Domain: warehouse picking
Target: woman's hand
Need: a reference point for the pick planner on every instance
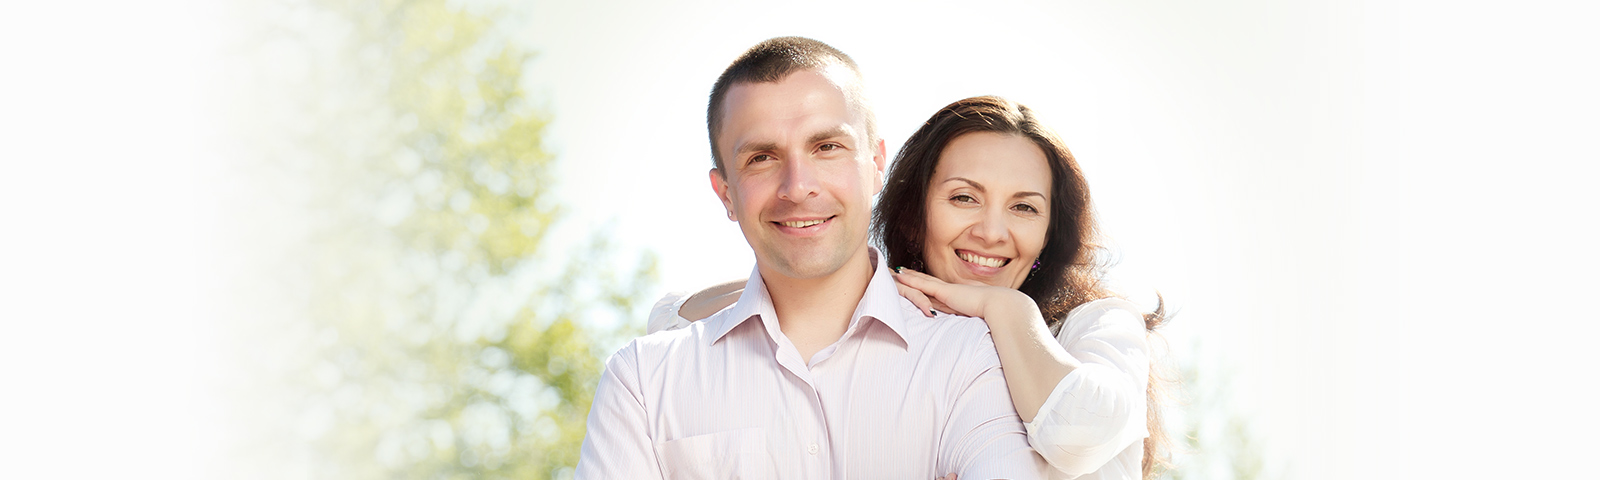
(929, 293)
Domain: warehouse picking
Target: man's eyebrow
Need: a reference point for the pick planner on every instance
(755, 147)
(838, 131)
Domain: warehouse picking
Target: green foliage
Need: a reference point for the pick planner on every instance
(434, 335)
(1216, 439)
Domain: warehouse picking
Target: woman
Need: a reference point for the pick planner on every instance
(993, 205)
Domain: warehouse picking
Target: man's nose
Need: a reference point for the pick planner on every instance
(799, 179)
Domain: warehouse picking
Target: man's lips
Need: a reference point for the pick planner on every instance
(804, 225)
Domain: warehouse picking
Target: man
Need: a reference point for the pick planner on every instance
(821, 369)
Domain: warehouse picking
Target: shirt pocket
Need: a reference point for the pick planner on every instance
(738, 453)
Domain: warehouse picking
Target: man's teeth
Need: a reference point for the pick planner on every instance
(981, 260)
(801, 224)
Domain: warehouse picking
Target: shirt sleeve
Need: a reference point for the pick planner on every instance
(664, 315)
(1098, 410)
(617, 444)
(984, 437)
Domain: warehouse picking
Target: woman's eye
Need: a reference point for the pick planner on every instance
(1026, 208)
(963, 198)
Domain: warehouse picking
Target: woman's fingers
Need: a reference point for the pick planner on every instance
(920, 281)
(917, 275)
(916, 297)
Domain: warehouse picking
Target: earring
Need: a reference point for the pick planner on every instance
(730, 216)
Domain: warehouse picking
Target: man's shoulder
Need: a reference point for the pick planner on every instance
(952, 334)
(942, 326)
(675, 343)
(665, 341)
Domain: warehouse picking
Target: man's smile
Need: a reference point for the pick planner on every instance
(805, 225)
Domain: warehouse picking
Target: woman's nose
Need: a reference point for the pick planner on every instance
(991, 227)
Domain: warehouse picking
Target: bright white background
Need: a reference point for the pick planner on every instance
(1378, 216)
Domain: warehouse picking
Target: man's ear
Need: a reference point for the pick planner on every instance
(880, 160)
(719, 185)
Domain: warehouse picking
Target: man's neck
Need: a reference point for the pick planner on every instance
(814, 312)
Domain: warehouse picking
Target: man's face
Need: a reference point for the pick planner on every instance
(798, 172)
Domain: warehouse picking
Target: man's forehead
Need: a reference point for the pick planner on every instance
(790, 88)
(801, 96)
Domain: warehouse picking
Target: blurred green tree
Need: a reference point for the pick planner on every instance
(436, 332)
(1212, 438)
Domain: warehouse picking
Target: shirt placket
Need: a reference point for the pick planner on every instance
(810, 425)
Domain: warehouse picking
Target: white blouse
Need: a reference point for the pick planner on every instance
(1093, 424)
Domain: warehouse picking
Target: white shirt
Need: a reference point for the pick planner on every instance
(1092, 425)
(730, 397)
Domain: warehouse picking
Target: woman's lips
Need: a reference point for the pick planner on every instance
(982, 260)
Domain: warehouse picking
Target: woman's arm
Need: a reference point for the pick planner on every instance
(1032, 359)
(712, 300)
(1099, 410)
(1082, 393)
(677, 310)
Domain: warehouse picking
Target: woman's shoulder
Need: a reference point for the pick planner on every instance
(1109, 312)
(1104, 306)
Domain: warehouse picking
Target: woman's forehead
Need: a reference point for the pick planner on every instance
(994, 161)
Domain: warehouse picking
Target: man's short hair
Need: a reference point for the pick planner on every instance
(772, 60)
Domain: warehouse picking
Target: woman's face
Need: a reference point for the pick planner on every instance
(988, 210)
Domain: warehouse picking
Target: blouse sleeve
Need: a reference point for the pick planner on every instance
(664, 315)
(1098, 410)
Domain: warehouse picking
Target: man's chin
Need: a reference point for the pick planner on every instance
(804, 266)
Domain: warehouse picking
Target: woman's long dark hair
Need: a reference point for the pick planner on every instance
(1069, 265)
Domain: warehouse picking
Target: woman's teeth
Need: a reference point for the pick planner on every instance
(982, 260)
(801, 224)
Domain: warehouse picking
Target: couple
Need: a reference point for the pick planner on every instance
(828, 365)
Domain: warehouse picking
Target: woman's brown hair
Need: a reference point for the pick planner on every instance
(1069, 268)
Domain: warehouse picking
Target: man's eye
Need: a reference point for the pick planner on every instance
(828, 147)
(759, 158)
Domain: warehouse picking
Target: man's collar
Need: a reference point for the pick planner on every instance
(881, 301)
(753, 302)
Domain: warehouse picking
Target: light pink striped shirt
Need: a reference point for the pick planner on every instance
(730, 397)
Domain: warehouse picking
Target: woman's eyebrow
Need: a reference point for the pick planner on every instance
(969, 181)
(980, 188)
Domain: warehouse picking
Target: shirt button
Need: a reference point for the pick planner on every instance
(812, 449)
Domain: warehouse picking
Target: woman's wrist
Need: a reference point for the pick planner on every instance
(1009, 309)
